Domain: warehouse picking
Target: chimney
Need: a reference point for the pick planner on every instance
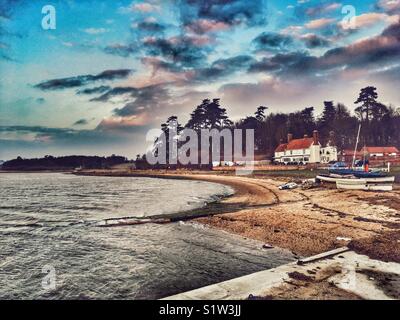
(289, 137)
(280, 141)
(306, 135)
(315, 137)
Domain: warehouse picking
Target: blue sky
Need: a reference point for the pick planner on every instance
(111, 70)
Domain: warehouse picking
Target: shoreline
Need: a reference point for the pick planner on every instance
(246, 194)
(307, 222)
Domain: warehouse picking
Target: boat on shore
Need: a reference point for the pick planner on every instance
(358, 176)
(333, 178)
(363, 184)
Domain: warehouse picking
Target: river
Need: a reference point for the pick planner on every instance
(51, 246)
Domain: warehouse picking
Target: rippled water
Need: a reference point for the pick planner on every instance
(47, 222)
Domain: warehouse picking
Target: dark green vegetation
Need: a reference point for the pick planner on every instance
(63, 163)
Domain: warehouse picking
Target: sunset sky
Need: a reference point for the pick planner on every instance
(111, 70)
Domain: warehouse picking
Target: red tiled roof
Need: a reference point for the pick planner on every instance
(281, 147)
(351, 153)
(381, 149)
(297, 144)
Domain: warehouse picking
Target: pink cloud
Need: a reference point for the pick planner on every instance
(318, 23)
(115, 123)
(389, 5)
(292, 30)
(204, 26)
(369, 19)
(323, 9)
(145, 7)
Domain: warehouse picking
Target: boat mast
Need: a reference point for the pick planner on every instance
(355, 149)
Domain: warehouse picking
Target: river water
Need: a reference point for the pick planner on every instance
(52, 248)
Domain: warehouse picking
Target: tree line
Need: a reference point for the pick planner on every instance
(380, 123)
(63, 163)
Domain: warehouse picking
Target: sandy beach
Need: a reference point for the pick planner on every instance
(307, 222)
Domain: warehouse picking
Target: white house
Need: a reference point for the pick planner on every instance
(329, 153)
(305, 150)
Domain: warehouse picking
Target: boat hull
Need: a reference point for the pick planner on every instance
(358, 173)
(362, 184)
(333, 179)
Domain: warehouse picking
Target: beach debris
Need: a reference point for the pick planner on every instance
(323, 255)
(288, 186)
(299, 276)
(343, 239)
(267, 246)
(130, 222)
(309, 184)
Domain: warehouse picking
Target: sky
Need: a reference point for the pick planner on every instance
(112, 70)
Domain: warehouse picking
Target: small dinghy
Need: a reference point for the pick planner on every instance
(363, 184)
(333, 178)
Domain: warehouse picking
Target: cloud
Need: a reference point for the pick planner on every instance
(124, 123)
(272, 41)
(40, 100)
(149, 26)
(322, 9)
(67, 44)
(8, 7)
(314, 41)
(390, 6)
(255, 93)
(121, 50)
(117, 91)
(265, 65)
(292, 30)
(232, 13)
(372, 18)
(81, 122)
(319, 23)
(94, 90)
(95, 30)
(185, 51)
(369, 54)
(379, 50)
(158, 64)
(78, 81)
(46, 140)
(146, 98)
(223, 68)
(376, 52)
(7, 10)
(202, 26)
(144, 7)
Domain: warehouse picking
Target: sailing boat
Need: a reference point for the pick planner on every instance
(358, 179)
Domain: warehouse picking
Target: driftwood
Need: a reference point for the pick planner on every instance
(132, 222)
